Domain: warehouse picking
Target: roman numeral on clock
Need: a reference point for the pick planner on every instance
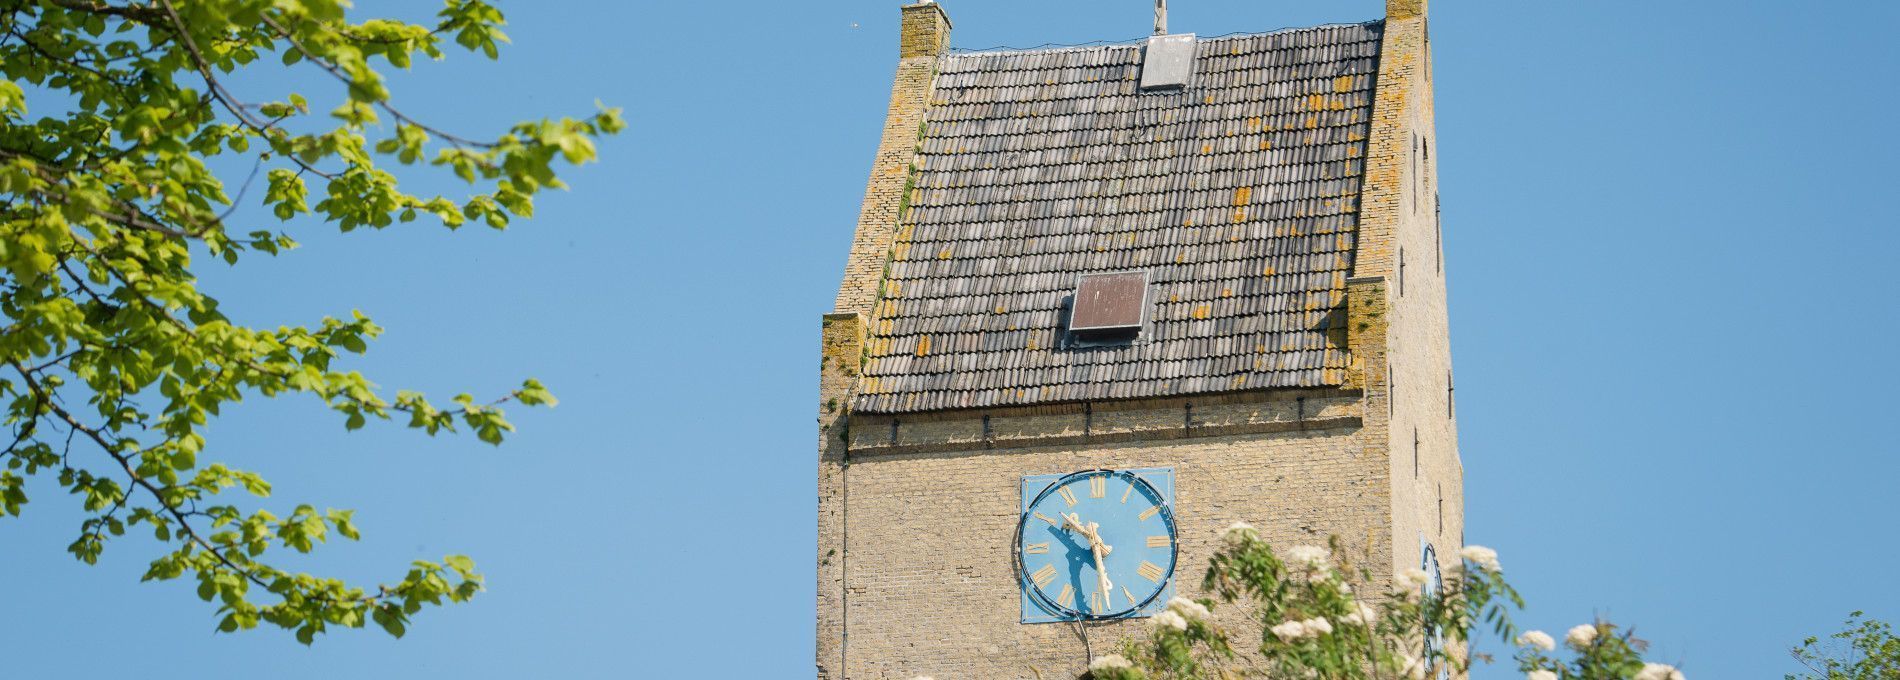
(1098, 486)
(1150, 512)
(1097, 601)
(1153, 542)
(1067, 495)
(1149, 570)
(1067, 598)
(1045, 518)
(1043, 576)
(1036, 548)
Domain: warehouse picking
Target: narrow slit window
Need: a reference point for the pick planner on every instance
(1401, 272)
(1438, 225)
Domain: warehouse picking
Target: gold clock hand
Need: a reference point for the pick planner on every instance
(1101, 571)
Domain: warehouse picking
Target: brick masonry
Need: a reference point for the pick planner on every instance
(1400, 243)
(917, 512)
(924, 37)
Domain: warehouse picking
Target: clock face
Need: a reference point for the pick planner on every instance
(1096, 544)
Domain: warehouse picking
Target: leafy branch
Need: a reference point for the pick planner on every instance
(100, 211)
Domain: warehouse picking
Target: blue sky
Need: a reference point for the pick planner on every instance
(1667, 237)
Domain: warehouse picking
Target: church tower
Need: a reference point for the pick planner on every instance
(1104, 302)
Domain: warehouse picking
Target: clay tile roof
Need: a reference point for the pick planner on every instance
(1238, 194)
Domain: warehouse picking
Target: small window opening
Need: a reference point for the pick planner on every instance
(1438, 225)
(1449, 388)
(1108, 308)
(1414, 453)
(1401, 271)
(1415, 174)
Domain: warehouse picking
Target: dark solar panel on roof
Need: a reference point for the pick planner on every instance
(1108, 302)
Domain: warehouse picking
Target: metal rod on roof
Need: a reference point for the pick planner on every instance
(1161, 17)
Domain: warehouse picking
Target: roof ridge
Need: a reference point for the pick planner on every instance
(1134, 42)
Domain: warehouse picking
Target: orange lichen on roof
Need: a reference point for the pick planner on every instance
(1243, 196)
(943, 254)
(1342, 84)
(1201, 311)
(923, 345)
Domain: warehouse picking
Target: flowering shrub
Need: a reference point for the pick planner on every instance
(1318, 621)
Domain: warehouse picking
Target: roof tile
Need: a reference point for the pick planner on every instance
(1238, 194)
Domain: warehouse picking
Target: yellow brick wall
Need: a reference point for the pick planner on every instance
(841, 351)
(931, 587)
(1399, 224)
(925, 35)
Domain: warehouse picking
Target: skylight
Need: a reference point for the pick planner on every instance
(1109, 305)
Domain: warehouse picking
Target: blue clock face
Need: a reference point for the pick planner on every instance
(1096, 544)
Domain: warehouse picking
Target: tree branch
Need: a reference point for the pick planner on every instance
(338, 73)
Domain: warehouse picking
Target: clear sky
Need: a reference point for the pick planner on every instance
(1669, 229)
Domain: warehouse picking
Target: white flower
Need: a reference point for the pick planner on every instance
(1239, 533)
(1580, 637)
(1540, 675)
(1362, 615)
(1188, 609)
(1658, 671)
(1485, 558)
(1538, 639)
(1309, 556)
(1414, 578)
(1289, 631)
(1317, 626)
(1108, 662)
(1169, 619)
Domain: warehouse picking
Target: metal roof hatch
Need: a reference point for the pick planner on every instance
(1167, 61)
(1108, 308)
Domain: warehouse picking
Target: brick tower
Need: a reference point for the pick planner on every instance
(1282, 357)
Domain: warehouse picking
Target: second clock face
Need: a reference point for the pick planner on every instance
(1096, 544)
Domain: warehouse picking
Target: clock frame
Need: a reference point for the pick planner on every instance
(1039, 606)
